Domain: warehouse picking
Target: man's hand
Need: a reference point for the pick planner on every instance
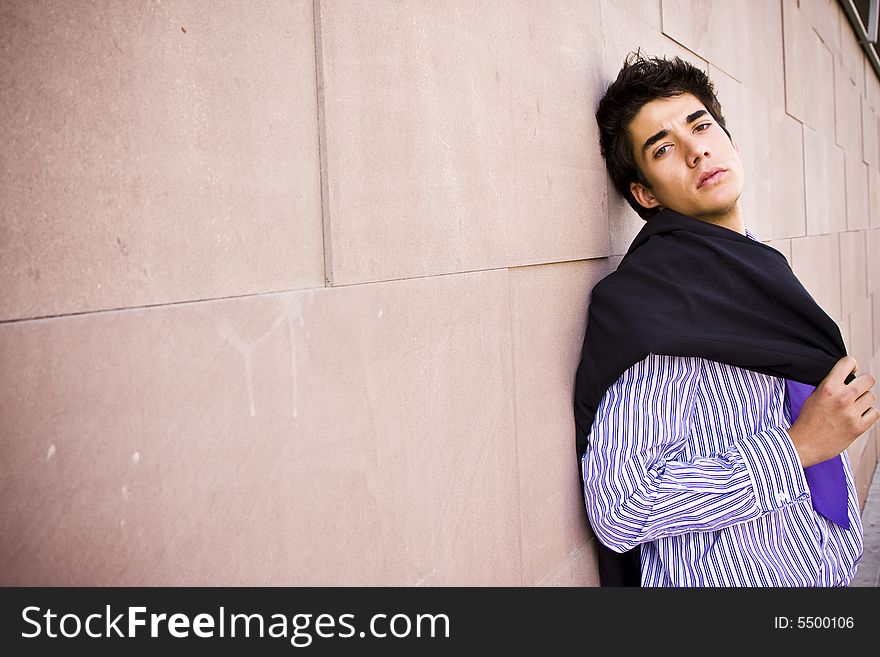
(835, 414)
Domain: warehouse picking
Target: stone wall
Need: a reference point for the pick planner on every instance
(295, 291)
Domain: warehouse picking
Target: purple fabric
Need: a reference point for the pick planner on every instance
(826, 480)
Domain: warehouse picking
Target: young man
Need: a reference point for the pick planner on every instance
(714, 398)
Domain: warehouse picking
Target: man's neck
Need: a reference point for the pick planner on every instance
(732, 220)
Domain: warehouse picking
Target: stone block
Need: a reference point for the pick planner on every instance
(343, 436)
(816, 262)
(853, 269)
(807, 59)
(716, 31)
(156, 153)
(825, 184)
(549, 312)
(460, 136)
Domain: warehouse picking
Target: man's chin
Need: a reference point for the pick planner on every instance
(722, 207)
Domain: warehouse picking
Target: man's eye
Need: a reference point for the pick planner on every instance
(660, 152)
(703, 126)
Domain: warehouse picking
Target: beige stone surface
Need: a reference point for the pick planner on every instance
(807, 59)
(853, 270)
(857, 458)
(875, 430)
(869, 135)
(717, 31)
(875, 303)
(823, 17)
(614, 262)
(874, 196)
(580, 569)
(870, 456)
(783, 246)
(781, 178)
(647, 11)
(872, 84)
(825, 184)
(549, 311)
(872, 254)
(771, 149)
(858, 213)
(624, 223)
(155, 153)
(353, 436)
(460, 136)
(875, 363)
(852, 56)
(844, 332)
(864, 471)
(622, 35)
(816, 262)
(847, 113)
(861, 334)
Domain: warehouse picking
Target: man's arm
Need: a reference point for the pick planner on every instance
(638, 488)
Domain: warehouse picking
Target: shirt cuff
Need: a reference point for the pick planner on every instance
(775, 469)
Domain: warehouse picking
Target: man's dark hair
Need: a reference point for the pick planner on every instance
(640, 81)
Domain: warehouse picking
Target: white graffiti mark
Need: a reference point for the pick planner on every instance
(290, 314)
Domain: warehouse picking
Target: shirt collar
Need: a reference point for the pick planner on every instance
(751, 235)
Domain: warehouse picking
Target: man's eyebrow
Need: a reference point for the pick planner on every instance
(653, 139)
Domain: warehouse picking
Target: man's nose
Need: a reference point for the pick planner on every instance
(696, 150)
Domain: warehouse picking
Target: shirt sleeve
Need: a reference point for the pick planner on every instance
(638, 487)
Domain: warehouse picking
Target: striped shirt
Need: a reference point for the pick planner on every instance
(691, 459)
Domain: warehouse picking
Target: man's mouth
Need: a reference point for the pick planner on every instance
(711, 176)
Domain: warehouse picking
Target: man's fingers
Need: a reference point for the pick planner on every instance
(842, 369)
(861, 385)
(864, 403)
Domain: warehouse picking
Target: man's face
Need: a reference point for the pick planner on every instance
(693, 167)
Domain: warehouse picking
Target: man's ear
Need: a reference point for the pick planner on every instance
(735, 145)
(643, 195)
